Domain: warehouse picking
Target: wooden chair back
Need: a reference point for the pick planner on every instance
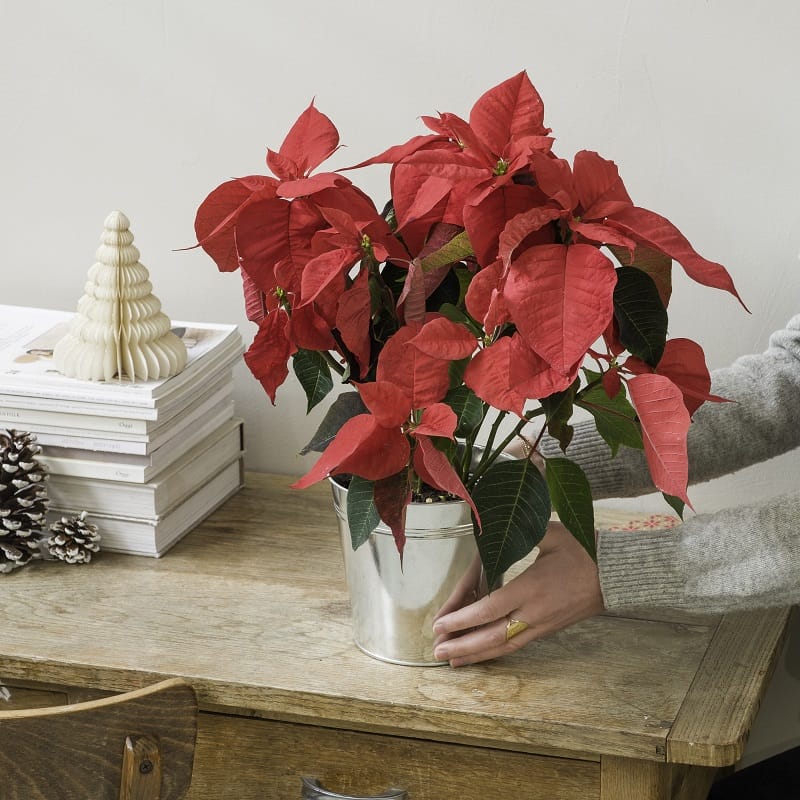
(138, 745)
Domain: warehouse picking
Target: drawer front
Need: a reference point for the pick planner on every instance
(252, 759)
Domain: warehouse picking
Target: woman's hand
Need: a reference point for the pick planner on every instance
(559, 589)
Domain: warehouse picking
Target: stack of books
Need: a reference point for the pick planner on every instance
(147, 460)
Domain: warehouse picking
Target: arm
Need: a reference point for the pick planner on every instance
(764, 421)
(745, 557)
(738, 558)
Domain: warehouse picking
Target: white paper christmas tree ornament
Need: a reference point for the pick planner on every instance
(119, 330)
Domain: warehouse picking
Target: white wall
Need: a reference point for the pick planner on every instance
(146, 105)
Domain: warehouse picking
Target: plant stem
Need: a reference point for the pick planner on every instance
(488, 452)
(332, 362)
(492, 453)
(469, 444)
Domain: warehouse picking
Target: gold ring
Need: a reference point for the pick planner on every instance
(515, 626)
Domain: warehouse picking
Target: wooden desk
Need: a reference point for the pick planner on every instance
(251, 607)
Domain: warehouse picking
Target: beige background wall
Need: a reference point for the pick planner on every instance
(146, 105)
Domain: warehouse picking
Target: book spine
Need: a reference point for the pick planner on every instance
(28, 419)
(97, 469)
(29, 403)
(92, 443)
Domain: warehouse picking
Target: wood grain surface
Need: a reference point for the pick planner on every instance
(252, 609)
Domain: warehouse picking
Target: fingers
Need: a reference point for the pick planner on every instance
(484, 643)
(494, 606)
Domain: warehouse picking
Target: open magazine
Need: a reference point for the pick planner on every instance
(27, 339)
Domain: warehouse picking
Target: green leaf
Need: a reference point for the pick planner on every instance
(346, 406)
(455, 314)
(513, 501)
(615, 418)
(675, 503)
(456, 370)
(314, 374)
(641, 315)
(572, 500)
(457, 249)
(465, 277)
(362, 515)
(468, 407)
(558, 411)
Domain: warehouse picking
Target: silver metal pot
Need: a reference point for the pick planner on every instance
(393, 607)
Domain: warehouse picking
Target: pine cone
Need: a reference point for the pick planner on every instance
(23, 498)
(73, 539)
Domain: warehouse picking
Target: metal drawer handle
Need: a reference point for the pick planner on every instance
(313, 791)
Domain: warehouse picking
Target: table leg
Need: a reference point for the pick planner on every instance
(635, 779)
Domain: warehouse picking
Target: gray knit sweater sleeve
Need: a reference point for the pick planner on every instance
(742, 557)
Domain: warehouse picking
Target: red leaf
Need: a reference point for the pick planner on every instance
(255, 306)
(437, 420)
(262, 239)
(392, 496)
(488, 375)
(435, 469)
(307, 329)
(561, 300)
(483, 288)
(346, 197)
(602, 234)
(665, 425)
(531, 376)
(311, 140)
(412, 297)
(428, 176)
(282, 166)
(353, 316)
(511, 110)
(398, 152)
(486, 220)
(684, 363)
(325, 269)
(304, 187)
(386, 402)
(269, 353)
(415, 193)
(217, 215)
(611, 338)
(443, 338)
(612, 383)
(424, 379)
(470, 143)
(599, 186)
(655, 231)
(554, 177)
(519, 227)
(363, 448)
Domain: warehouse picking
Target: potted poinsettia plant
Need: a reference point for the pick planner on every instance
(500, 288)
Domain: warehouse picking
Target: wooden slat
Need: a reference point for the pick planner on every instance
(714, 721)
(253, 760)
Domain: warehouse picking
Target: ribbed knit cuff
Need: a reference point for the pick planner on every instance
(639, 568)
